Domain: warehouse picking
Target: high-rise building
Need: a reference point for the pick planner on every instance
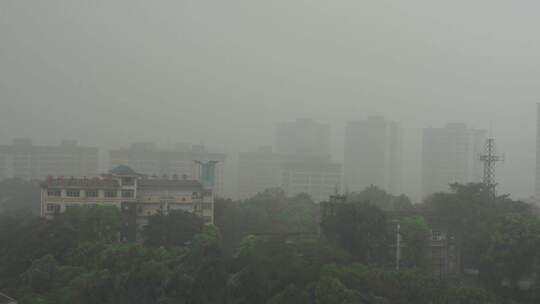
(300, 164)
(537, 184)
(24, 160)
(319, 178)
(373, 151)
(303, 137)
(147, 158)
(451, 155)
(257, 171)
(316, 176)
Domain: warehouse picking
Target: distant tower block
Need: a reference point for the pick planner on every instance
(490, 158)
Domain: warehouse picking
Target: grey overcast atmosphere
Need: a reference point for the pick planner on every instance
(222, 73)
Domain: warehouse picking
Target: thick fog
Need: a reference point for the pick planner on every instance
(223, 72)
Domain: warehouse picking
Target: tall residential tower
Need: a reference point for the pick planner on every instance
(451, 155)
(373, 152)
(537, 184)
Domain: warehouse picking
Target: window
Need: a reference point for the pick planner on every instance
(54, 192)
(128, 181)
(127, 193)
(207, 206)
(436, 235)
(53, 208)
(110, 193)
(91, 193)
(73, 193)
(207, 219)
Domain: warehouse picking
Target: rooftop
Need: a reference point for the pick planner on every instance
(96, 182)
(123, 170)
(169, 183)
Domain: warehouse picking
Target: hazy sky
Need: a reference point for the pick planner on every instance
(222, 72)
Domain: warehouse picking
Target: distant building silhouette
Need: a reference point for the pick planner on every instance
(147, 158)
(22, 159)
(451, 155)
(373, 155)
(303, 137)
(537, 183)
(316, 176)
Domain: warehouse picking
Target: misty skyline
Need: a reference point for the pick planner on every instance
(109, 73)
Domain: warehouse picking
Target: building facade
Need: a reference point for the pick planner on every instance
(137, 195)
(146, 158)
(24, 160)
(537, 183)
(303, 137)
(451, 155)
(373, 155)
(316, 176)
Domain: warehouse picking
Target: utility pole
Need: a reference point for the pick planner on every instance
(490, 158)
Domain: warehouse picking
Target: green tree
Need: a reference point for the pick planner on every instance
(290, 295)
(94, 222)
(415, 232)
(473, 212)
(361, 229)
(470, 296)
(382, 199)
(513, 251)
(176, 228)
(330, 290)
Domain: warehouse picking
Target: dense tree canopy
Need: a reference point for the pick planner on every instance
(360, 228)
(173, 229)
(382, 199)
(416, 235)
(250, 257)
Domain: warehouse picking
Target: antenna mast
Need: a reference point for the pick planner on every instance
(490, 158)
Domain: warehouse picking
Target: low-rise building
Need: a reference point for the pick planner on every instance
(140, 196)
(147, 158)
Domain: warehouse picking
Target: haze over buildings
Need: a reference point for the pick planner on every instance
(24, 160)
(301, 164)
(451, 154)
(303, 137)
(147, 158)
(537, 182)
(373, 155)
(109, 73)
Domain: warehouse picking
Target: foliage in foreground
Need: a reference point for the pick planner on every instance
(80, 258)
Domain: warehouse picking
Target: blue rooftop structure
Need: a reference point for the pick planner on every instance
(123, 170)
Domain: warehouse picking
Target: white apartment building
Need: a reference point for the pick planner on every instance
(138, 195)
